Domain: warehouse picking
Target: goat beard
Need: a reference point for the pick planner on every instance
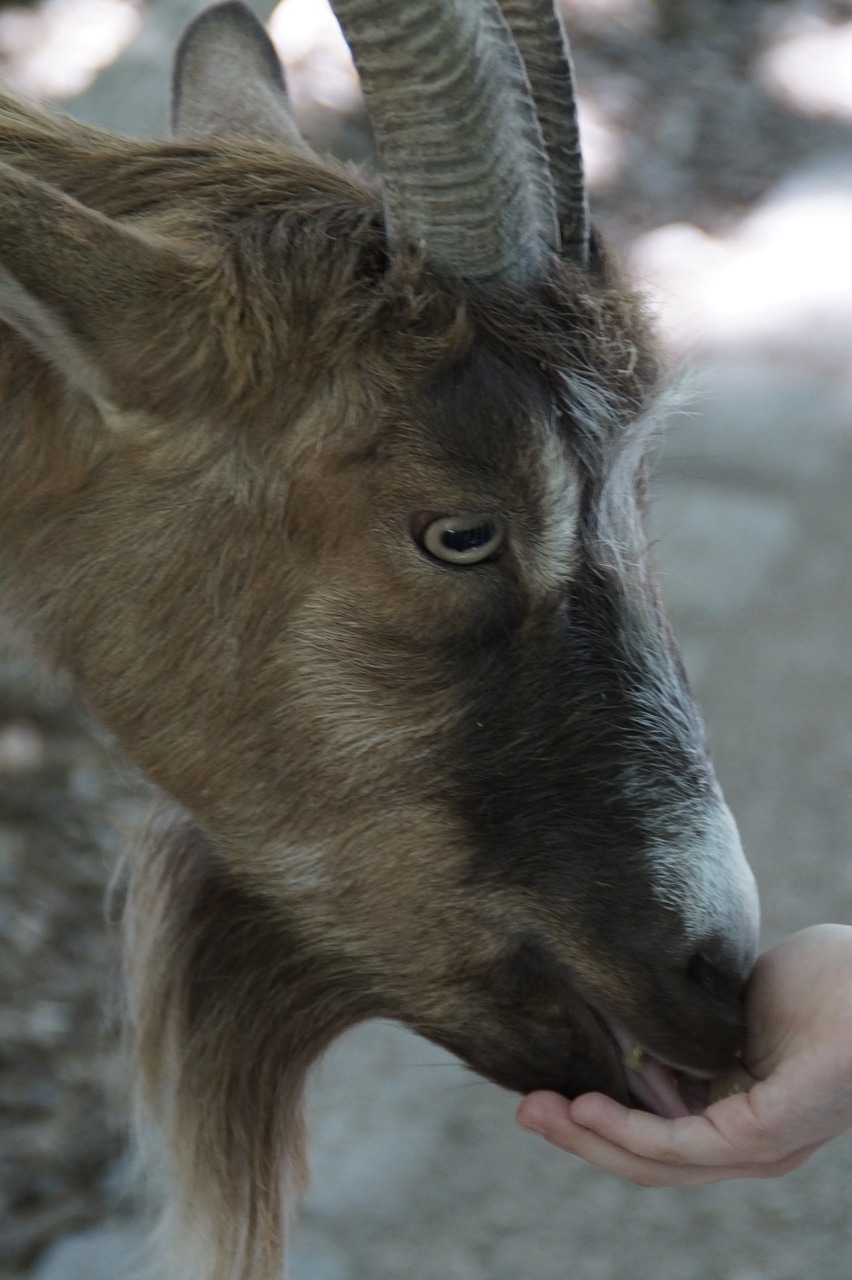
(227, 1015)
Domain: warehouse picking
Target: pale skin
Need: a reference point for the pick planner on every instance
(795, 1084)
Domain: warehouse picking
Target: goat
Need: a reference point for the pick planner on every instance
(329, 495)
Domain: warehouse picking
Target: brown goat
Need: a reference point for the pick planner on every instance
(329, 498)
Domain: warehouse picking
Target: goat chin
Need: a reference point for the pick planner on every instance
(229, 1009)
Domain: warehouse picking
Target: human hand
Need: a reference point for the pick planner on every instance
(795, 1094)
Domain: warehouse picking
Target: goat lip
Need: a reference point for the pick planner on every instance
(654, 1085)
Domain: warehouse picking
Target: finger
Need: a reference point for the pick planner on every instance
(615, 1139)
(564, 1133)
(671, 1142)
(725, 1135)
(731, 1133)
(556, 1125)
(643, 1172)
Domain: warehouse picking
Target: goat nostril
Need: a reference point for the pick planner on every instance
(703, 973)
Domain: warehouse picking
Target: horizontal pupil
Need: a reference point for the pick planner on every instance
(467, 539)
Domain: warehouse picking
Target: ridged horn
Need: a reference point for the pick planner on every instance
(460, 148)
(544, 47)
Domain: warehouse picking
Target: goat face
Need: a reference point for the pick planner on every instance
(526, 851)
(356, 495)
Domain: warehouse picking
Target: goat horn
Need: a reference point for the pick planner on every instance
(460, 147)
(543, 45)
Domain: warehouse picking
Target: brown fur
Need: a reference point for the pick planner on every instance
(208, 474)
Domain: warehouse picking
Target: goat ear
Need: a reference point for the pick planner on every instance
(87, 292)
(227, 81)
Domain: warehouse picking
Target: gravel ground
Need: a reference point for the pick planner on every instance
(418, 1169)
(64, 814)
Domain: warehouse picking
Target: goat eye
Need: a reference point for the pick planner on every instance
(463, 539)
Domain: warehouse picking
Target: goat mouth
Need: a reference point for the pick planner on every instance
(655, 1085)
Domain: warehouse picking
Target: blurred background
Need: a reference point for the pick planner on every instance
(718, 137)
